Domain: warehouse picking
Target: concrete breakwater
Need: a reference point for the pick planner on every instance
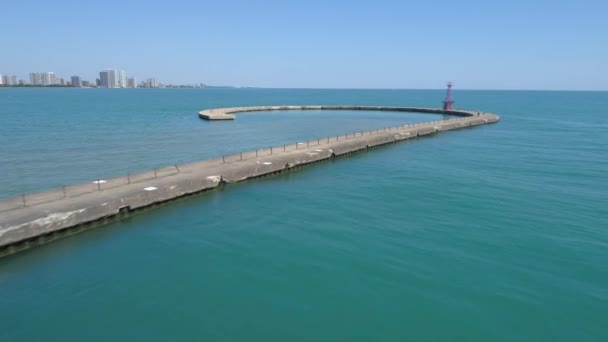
(34, 219)
(228, 113)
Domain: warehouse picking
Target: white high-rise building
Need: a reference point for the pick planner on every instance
(1, 81)
(48, 78)
(35, 78)
(44, 78)
(8, 80)
(122, 79)
(114, 78)
(152, 83)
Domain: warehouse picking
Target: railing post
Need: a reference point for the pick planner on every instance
(270, 150)
(128, 178)
(98, 184)
(241, 153)
(64, 193)
(283, 148)
(177, 168)
(256, 152)
(223, 159)
(154, 173)
(23, 199)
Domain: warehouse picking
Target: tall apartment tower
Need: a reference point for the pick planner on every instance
(35, 79)
(48, 78)
(76, 82)
(122, 79)
(114, 78)
(108, 78)
(104, 79)
(152, 83)
(8, 80)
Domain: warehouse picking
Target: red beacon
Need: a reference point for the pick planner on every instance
(448, 103)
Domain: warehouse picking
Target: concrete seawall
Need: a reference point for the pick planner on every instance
(38, 218)
(228, 113)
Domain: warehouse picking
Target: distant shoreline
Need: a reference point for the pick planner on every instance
(291, 88)
(163, 87)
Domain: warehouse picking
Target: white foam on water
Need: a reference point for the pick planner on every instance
(150, 188)
(101, 181)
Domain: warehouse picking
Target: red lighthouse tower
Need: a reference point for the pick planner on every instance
(448, 102)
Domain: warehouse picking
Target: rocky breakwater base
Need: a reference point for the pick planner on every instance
(33, 219)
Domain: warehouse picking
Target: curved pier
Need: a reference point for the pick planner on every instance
(34, 219)
(228, 113)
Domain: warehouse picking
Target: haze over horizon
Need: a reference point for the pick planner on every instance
(514, 45)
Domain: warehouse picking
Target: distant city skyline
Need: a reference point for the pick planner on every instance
(553, 45)
(108, 78)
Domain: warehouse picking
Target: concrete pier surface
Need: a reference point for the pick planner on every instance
(228, 113)
(34, 219)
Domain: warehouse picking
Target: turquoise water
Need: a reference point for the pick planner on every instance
(491, 233)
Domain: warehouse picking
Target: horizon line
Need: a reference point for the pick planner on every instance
(175, 85)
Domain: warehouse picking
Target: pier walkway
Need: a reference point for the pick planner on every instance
(34, 219)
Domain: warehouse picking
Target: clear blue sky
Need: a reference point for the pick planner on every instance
(479, 44)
